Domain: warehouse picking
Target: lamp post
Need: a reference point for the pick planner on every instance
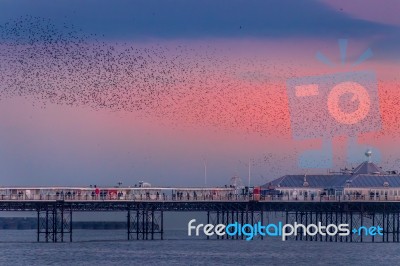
(205, 171)
(249, 171)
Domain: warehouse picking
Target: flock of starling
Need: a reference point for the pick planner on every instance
(60, 64)
(48, 63)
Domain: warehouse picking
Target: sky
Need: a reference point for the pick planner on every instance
(100, 92)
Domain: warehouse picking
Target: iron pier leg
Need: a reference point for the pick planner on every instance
(152, 224)
(143, 225)
(331, 221)
(38, 225)
(362, 223)
(287, 220)
(252, 218)
(162, 225)
(321, 220)
(223, 220)
(54, 223)
(227, 221)
(383, 225)
(301, 222)
(70, 225)
(373, 224)
(306, 224)
(147, 224)
(336, 222)
(313, 221)
(316, 222)
(310, 221)
(393, 225)
(296, 221)
(262, 221)
(326, 223)
(233, 220)
(208, 221)
(47, 224)
(62, 224)
(217, 222)
(137, 224)
(398, 226)
(242, 222)
(237, 219)
(347, 221)
(129, 224)
(387, 227)
(351, 226)
(341, 221)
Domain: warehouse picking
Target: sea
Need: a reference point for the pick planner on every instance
(110, 247)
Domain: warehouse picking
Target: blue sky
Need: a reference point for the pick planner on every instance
(199, 19)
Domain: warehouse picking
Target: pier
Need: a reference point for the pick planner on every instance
(145, 208)
(364, 196)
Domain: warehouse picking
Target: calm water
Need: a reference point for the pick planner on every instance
(94, 247)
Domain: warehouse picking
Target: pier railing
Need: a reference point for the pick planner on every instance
(191, 198)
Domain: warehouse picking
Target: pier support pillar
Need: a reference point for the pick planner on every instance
(53, 222)
(144, 224)
(226, 216)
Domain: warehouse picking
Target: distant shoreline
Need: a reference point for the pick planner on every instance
(29, 223)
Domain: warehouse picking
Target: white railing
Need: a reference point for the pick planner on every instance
(331, 198)
(192, 198)
(181, 198)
